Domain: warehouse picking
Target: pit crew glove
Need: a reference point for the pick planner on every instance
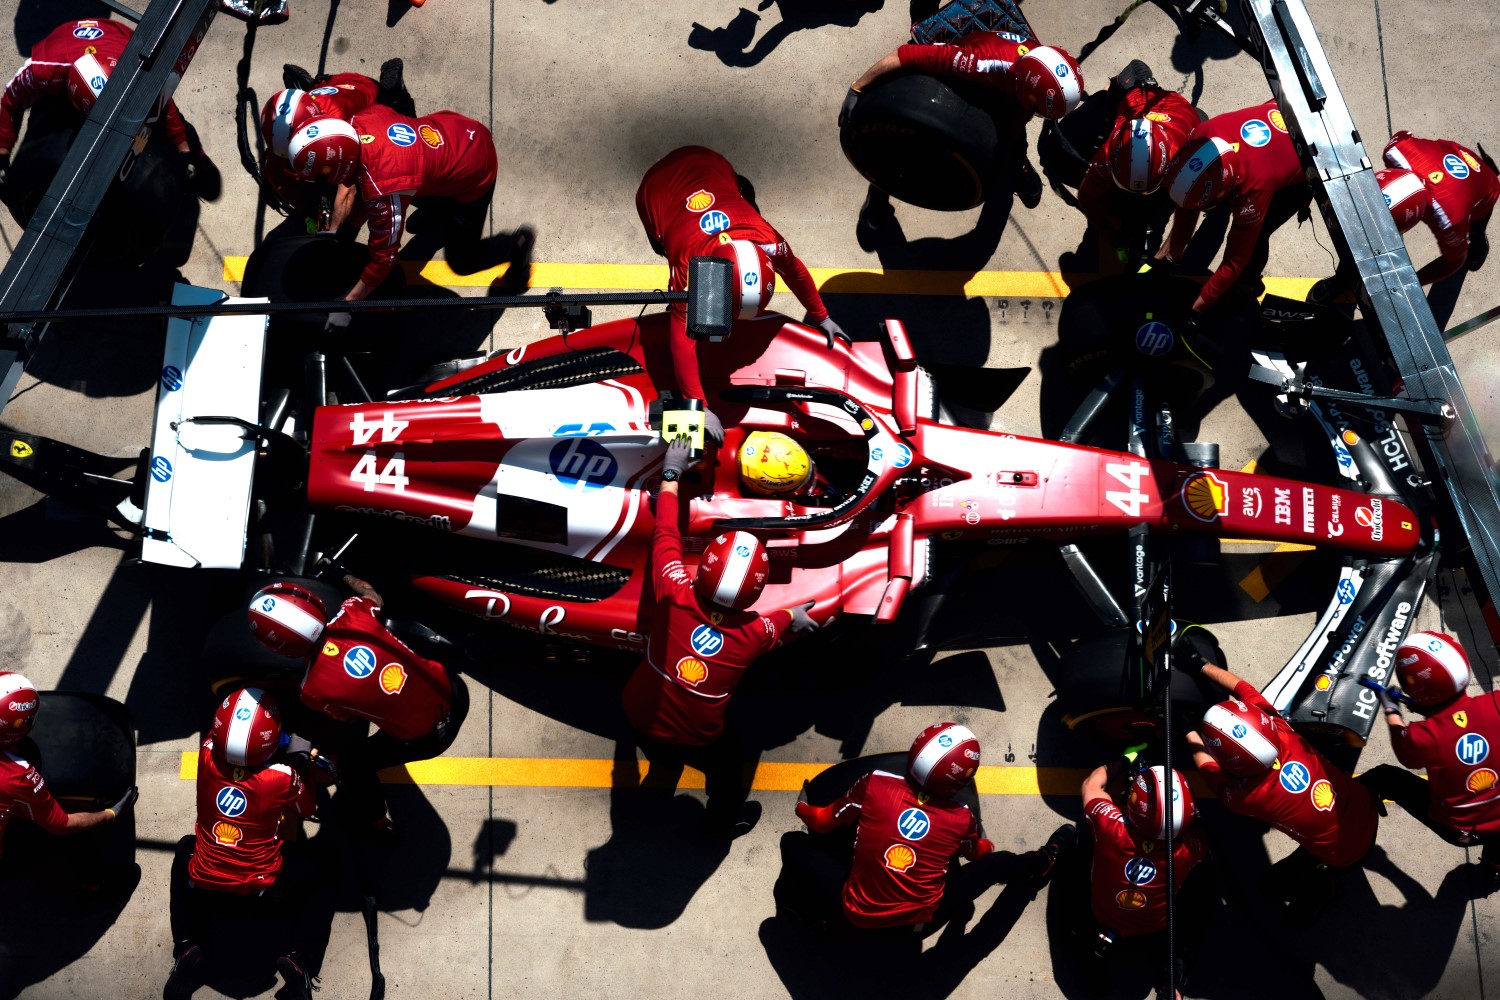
(1388, 702)
(713, 427)
(1196, 646)
(847, 108)
(124, 802)
(337, 322)
(203, 176)
(1131, 753)
(679, 454)
(801, 620)
(829, 327)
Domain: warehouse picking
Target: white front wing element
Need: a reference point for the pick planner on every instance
(200, 475)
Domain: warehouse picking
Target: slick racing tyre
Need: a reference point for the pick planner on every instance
(1093, 702)
(919, 140)
(85, 748)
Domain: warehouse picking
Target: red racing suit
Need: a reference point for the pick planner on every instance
(903, 845)
(695, 658)
(242, 817)
(23, 793)
(1463, 192)
(689, 203)
(987, 58)
(344, 95)
(45, 74)
(363, 671)
(1174, 117)
(1129, 876)
(1268, 163)
(441, 155)
(1459, 750)
(1304, 796)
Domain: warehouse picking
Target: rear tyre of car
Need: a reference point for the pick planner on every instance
(1096, 705)
(919, 140)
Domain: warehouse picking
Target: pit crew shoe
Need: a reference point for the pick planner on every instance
(874, 215)
(741, 823)
(299, 982)
(294, 77)
(1062, 841)
(1028, 183)
(1479, 251)
(185, 977)
(392, 91)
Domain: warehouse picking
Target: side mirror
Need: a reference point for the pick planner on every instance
(710, 314)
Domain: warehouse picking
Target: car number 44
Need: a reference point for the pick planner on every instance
(393, 475)
(1128, 475)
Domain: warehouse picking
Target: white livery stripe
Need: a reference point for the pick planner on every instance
(92, 70)
(237, 740)
(1253, 742)
(736, 570)
(289, 616)
(933, 752)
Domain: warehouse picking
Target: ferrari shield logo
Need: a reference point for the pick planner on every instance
(20, 449)
(1461, 719)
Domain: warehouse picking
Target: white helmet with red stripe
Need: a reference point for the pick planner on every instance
(247, 728)
(18, 703)
(1146, 805)
(754, 278)
(1405, 195)
(285, 113)
(943, 758)
(287, 618)
(325, 149)
(1048, 82)
(1138, 156)
(86, 79)
(733, 571)
(1240, 738)
(1204, 173)
(1433, 668)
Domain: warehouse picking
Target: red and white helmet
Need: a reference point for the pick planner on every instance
(1146, 805)
(1240, 737)
(1205, 172)
(733, 571)
(1405, 195)
(754, 278)
(287, 618)
(943, 758)
(1138, 156)
(1433, 667)
(247, 728)
(86, 80)
(1048, 82)
(325, 149)
(285, 113)
(17, 707)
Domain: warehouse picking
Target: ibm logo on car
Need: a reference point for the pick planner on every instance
(231, 801)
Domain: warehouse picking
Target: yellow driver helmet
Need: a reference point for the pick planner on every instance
(772, 464)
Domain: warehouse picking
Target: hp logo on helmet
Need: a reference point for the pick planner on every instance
(945, 740)
(268, 605)
(231, 801)
(243, 714)
(1239, 731)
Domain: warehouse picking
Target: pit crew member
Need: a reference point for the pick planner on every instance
(1128, 895)
(703, 638)
(909, 830)
(443, 163)
(73, 63)
(23, 793)
(1259, 766)
(1462, 187)
(1456, 743)
(358, 670)
(1150, 126)
(692, 203)
(1039, 80)
(240, 860)
(1244, 160)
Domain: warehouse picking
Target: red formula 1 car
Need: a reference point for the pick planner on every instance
(554, 447)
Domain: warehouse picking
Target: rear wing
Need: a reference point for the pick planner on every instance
(204, 438)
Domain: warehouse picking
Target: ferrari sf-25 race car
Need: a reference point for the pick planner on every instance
(555, 448)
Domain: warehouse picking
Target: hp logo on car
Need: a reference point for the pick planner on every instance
(1154, 339)
(231, 801)
(582, 464)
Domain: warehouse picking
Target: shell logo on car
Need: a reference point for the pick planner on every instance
(900, 858)
(431, 136)
(691, 670)
(1204, 496)
(1323, 683)
(1130, 899)
(1322, 795)
(1481, 780)
(228, 834)
(700, 201)
(392, 678)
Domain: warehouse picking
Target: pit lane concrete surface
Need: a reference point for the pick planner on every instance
(521, 868)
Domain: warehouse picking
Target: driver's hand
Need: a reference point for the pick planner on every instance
(832, 329)
(713, 427)
(1196, 646)
(679, 455)
(801, 620)
(337, 322)
(847, 108)
(124, 802)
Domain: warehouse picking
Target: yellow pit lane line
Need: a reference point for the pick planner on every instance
(830, 280)
(552, 772)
